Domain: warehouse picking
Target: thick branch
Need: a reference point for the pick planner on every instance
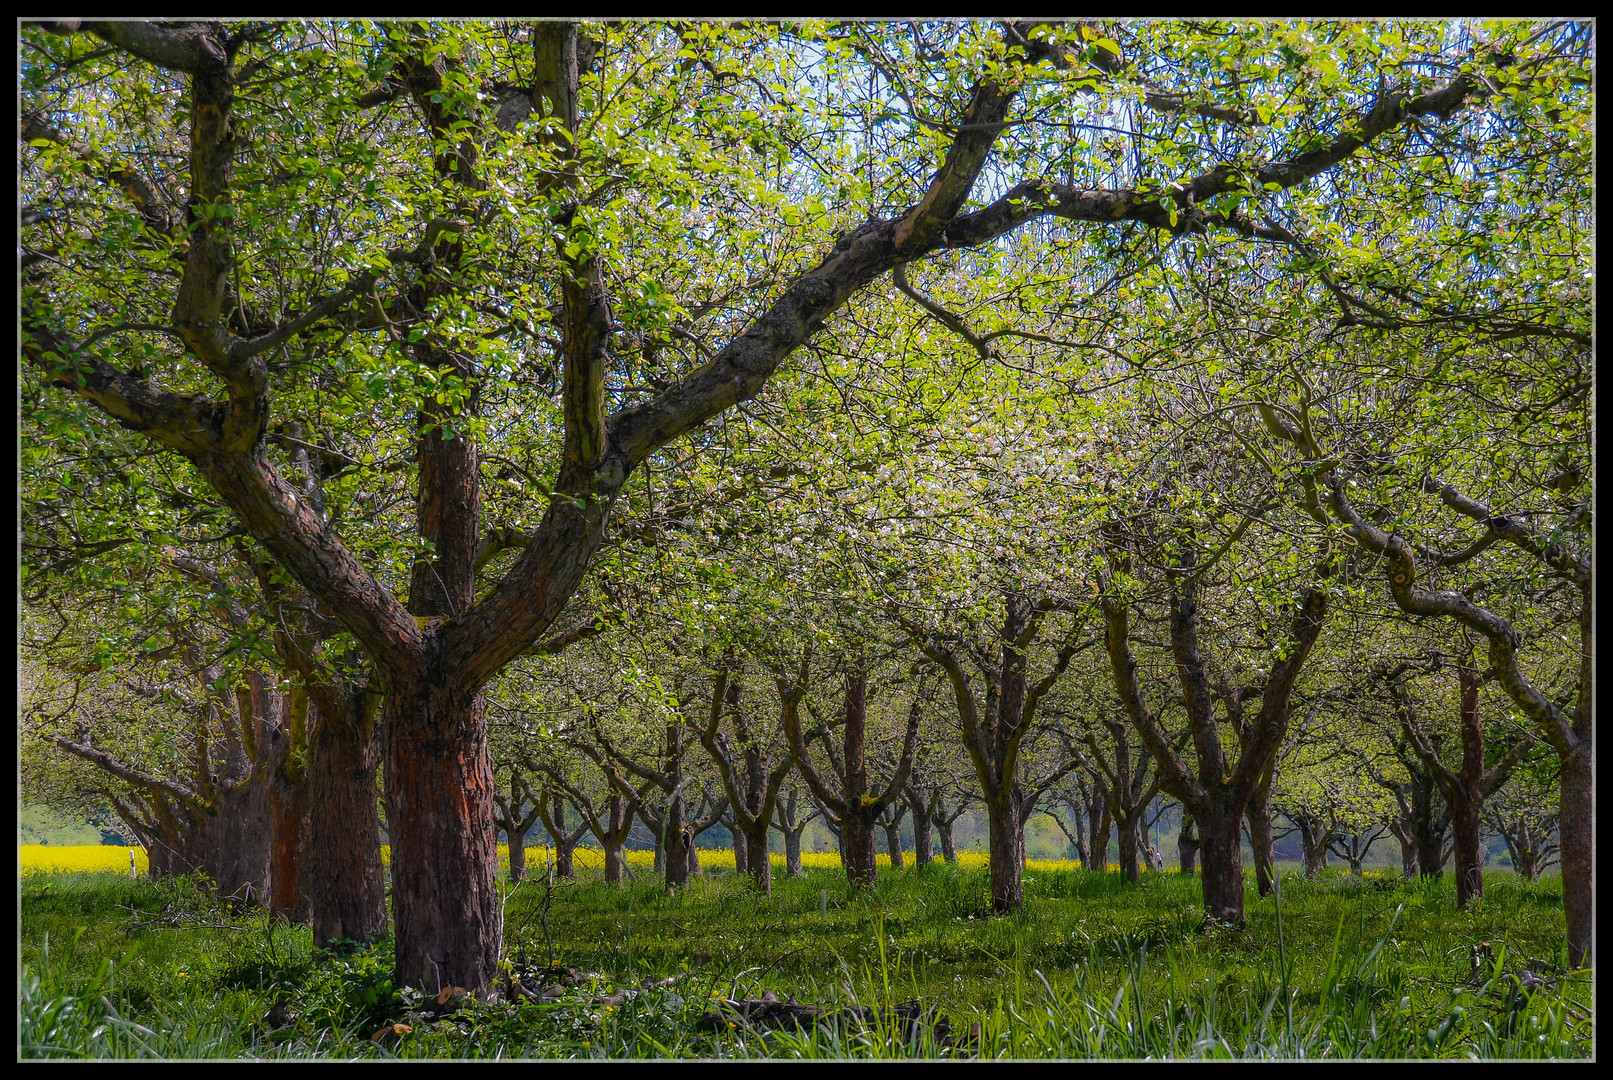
(109, 764)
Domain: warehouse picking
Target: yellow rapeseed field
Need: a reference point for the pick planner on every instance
(81, 858)
(723, 859)
(44, 858)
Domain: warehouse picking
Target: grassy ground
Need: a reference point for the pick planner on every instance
(1093, 967)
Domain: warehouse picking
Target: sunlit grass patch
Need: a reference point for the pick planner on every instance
(1093, 966)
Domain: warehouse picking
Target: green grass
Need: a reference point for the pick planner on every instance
(1092, 967)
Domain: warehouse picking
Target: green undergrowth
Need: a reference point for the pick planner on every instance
(1092, 967)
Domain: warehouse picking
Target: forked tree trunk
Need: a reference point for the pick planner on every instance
(439, 784)
(1313, 840)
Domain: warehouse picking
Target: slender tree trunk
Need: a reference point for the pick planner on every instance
(1007, 854)
(1126, 833)
(949, 850)
(343, 874)
(288, 833)
(1187, 845)
(1576, 839)
(741, 849)
(923, 839)
(562, 842)
(1221, 840)
(893, 844)
(1466, 856)
(615, 836)
(1078, 836)
(679, 844)
(1405, 831)
(517, 856)
(1098, 825)
(693, 849)
(1261, 843)
(439, 783)
(792, 851)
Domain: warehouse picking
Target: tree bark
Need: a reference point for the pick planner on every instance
(1313, 839)
(1429, 828)
(857, 849)
(517, 857)
(923, 838)
(1098, 825)
(949, 850)
(613, 839)
(679, 843)
(893, 836)
(792, 851)
(759, 860)
(1126, 833)
(233, 842)
(1007, 852)
(445, 898)
(344, 877)
(1261, 841)
(1576, 851)
(562, 841)
(1408, 852)
(1465, 850)
(1221, 836)
(1187, 845)
(290, 794)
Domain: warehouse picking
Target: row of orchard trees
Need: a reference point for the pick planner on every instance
(1105, 390)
